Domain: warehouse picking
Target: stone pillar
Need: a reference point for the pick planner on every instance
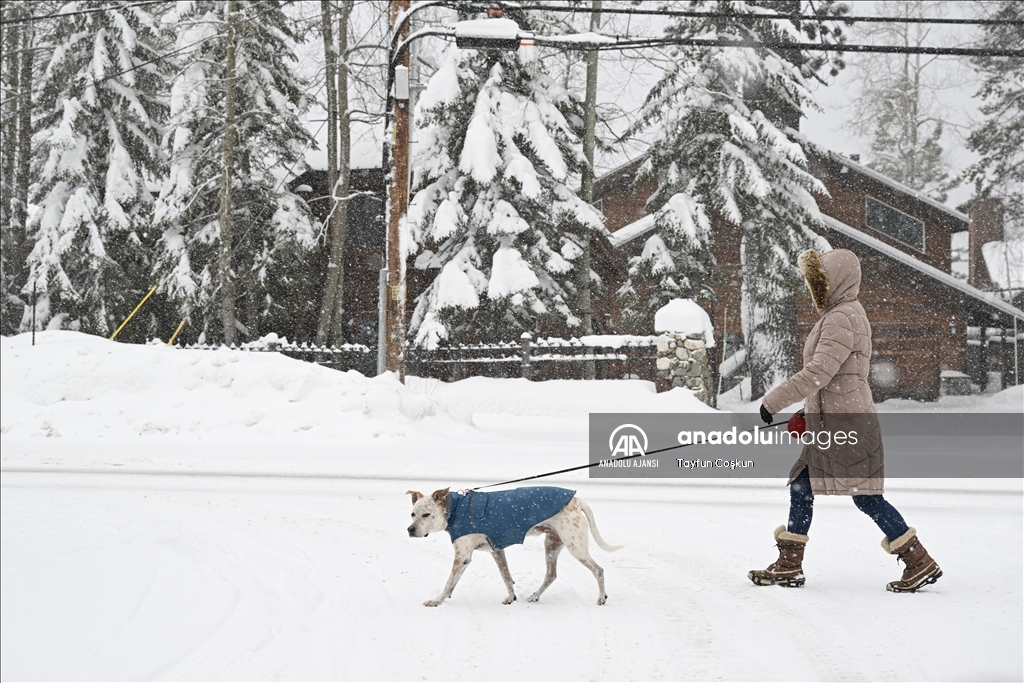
(683, 361)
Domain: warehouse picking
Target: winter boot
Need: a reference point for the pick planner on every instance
(787, 570)
(920, 570)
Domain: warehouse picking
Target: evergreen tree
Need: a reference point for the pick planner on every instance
(495, 202)
(724, 145)
(999, 139)
(100, 114)
(268, 249)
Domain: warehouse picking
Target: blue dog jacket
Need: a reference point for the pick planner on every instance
(504, 516)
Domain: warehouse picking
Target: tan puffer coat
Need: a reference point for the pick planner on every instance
(834, 383)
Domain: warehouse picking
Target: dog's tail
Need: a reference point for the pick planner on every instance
(593, 528)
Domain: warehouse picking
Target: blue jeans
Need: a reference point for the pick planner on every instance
(801, 510)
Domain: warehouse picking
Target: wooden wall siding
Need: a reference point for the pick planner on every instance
(847, 204)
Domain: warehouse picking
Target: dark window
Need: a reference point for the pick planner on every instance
(894, 223)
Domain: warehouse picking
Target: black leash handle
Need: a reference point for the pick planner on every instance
(621, 457)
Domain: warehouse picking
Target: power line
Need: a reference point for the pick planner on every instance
(479, 7)
(59, 15)
(625, 43)
(630, 43)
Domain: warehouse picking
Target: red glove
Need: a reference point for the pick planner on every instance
(797, 424)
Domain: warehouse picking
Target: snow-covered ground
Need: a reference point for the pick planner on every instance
(199, 515)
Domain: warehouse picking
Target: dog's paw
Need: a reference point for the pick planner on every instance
(603, 599)
(533, 598)
(509, 600)
(431, 603)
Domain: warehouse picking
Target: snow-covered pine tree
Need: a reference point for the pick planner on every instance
(723, 148)
(494, 176)
(999, 138)
(100, 112)
(273, 234)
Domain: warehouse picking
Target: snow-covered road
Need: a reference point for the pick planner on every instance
(153, 576)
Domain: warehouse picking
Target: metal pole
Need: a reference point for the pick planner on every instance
(132, 314)
(382, 320)
(398, 200)
(721, 354)
(1016, 358)
(170, 342)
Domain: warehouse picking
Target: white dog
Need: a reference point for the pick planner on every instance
(493, 521)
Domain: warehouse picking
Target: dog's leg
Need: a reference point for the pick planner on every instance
(571, 526)
(499, 559)
(552, 546)
(583, 555)
(464, 548)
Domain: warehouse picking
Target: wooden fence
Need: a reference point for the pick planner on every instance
(614, 357)
(344, 357)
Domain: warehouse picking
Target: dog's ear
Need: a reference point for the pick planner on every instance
(416, 495)
(440, 494)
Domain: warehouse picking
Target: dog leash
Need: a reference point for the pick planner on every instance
(621, 457)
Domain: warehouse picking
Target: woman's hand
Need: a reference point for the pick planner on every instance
(765, 415)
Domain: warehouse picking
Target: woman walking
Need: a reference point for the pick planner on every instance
(834, 386)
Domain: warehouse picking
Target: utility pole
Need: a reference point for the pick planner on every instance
(587, 183)
(227, 280)
(398, 198)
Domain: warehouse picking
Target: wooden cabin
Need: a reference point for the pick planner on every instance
(925, 321)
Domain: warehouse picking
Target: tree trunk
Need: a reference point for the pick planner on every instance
(331, 325)
(587, 185)
(227, 280)
(330, 69)
(340, 224)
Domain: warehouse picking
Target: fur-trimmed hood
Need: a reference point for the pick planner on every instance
(832, 278)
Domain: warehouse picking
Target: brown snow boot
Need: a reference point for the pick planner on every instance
(787, 570)
(920, 569)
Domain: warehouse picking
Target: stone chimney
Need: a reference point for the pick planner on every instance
(986, 226)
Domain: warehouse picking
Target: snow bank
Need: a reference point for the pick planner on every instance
(72, 384)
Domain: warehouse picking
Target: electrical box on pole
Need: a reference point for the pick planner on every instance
(401, 82)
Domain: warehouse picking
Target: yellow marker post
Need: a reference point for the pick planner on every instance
(176, 333)
(144, 299)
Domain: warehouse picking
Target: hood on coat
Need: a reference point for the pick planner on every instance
(832, 277)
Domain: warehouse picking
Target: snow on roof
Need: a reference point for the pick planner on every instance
(905, 189)
(631, 231)
(986, 298)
